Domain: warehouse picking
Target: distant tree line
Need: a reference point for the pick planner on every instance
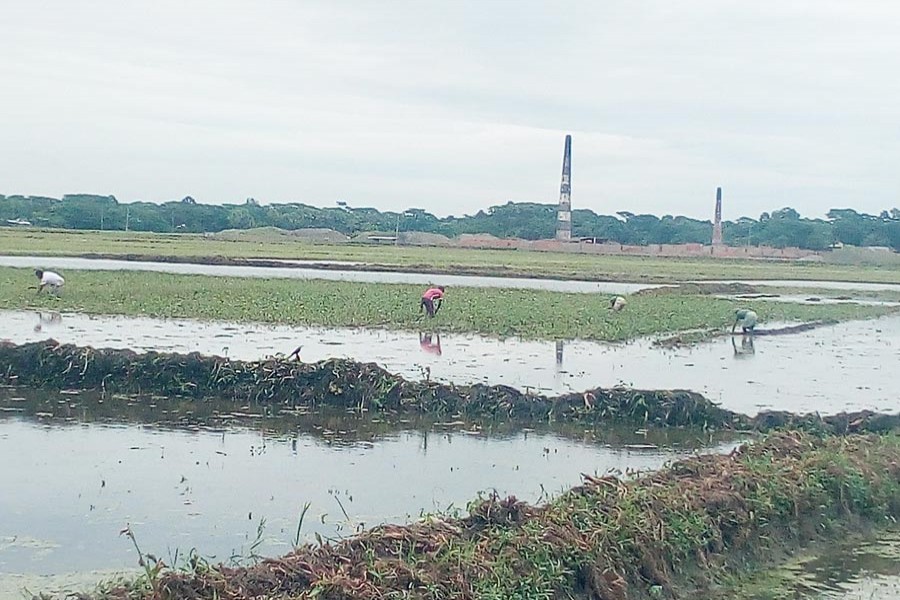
(781, 228)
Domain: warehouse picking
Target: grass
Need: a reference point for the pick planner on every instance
(496, 262)
(496, 312)
(675, 533)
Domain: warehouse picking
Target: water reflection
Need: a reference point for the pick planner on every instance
(430, 343)
(289, 272)
(47, 320)
(746, 349)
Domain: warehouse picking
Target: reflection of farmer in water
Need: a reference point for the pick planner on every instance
(53, 318)
(426, 343)
(746, 350)
(431, 300)
(746, 318)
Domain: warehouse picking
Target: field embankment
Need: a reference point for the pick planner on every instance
(510, 263)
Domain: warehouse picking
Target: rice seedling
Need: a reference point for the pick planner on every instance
(499, 312)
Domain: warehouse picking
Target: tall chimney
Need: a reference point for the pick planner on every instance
(564, 215)
(717, 224)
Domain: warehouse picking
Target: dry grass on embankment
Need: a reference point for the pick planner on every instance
(665, 535)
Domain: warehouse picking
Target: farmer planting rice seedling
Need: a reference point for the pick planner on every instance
(52, 282)
(432, 300)
(745, 319)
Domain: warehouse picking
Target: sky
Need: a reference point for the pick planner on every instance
(456, 106)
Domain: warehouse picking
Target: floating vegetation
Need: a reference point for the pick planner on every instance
(669, 534)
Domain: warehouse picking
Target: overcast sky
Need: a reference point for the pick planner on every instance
(455, 106)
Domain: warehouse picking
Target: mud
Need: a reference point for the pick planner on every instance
(845, 367)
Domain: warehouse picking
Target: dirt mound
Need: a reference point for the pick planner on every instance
(421, 238)
(272, 234)
(366, 387)
(320, 235)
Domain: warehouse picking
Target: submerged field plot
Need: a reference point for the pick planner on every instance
(220, 451)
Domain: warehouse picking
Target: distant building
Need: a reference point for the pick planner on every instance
(717, 224)
(564, 214)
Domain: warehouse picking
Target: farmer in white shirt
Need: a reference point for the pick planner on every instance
(50, 280)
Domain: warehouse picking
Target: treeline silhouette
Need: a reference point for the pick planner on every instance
(780, 228)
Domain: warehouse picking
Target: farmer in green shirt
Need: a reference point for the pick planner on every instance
(746, 318)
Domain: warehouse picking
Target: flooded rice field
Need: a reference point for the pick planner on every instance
(216, 482)
(295, 272)
(849, 366)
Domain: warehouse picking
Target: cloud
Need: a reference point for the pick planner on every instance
(452, 107)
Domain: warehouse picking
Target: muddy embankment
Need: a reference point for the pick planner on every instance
(344, 384)
(670, 534)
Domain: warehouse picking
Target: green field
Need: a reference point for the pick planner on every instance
(446, 260)
(496, 312)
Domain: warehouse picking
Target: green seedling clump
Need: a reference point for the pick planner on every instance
(530, 314)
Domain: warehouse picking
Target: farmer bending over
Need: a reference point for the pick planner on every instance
(617, 303)
(431, 300)
(746, 318)
(49, 279)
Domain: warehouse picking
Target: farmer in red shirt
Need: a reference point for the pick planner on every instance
(431, 300)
